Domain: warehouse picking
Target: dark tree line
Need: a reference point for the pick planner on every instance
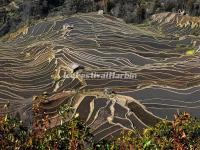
(135, 11)
(191, 7)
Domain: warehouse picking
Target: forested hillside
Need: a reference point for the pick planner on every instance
(14, 13)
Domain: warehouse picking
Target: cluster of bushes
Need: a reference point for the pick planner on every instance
(181, 134)
(135, 10)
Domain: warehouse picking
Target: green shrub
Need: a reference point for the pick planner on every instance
(181, 134)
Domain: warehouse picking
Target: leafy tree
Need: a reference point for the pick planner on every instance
(157, 5)
(141, 13)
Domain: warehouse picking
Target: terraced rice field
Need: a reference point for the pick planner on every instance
(38, 62)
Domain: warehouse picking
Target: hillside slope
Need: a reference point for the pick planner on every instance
(36, 72)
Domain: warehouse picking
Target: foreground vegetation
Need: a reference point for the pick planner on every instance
(180, 134)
